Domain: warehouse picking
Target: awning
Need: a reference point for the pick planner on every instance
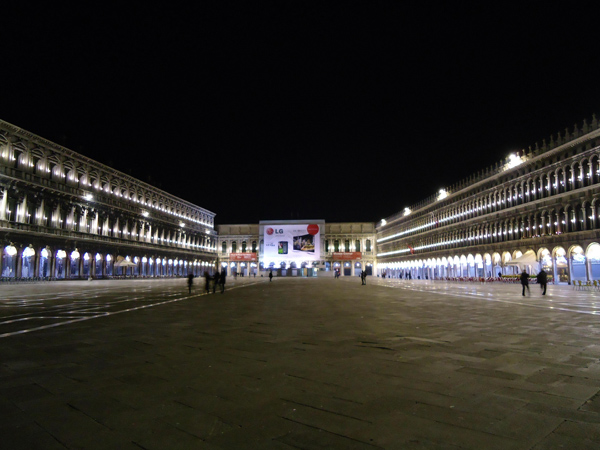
(526, 259)
(122, 262)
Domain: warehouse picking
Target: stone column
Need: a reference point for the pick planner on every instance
(543, 220)
(36, 264)
(51, 264)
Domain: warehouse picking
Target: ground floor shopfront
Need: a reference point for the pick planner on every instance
(563, 263)
(253, 266)
(257, 268)
(49, 260)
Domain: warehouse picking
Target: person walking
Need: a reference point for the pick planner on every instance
(363, 277)
(190, 281)
(270, 276)
(207, 280)
(216, 281)
(222, 280)
(542, 279)
(525, 282)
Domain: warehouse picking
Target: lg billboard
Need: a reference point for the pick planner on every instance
(299, 242)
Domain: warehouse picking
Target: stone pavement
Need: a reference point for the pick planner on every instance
(298, 364)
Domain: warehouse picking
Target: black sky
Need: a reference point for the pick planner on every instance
(285, 110)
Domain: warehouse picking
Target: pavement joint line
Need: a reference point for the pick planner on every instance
(106, 314)
(325, 410)
(69, 309)
(481, 297)
(328, 431)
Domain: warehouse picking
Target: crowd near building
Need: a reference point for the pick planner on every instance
(66, 216)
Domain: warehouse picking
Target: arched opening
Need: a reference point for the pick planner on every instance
(86, 265)
(546, 263)
(578, 262)
(593, 258)
(28, 262)
(9, 261)
(44, 265)
(506, 270)
(61, 269)
(470, 265)
(74, 264)
(109, 266)
(98, 270)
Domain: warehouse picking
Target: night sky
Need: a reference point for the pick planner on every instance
(297, 110)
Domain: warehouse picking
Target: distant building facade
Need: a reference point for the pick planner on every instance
(63, 215)
(297, 248)
(538, 208)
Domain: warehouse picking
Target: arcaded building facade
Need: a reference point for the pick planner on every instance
(64, 215)
(538, 208)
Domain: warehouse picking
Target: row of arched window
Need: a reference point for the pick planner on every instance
(56, 215)
(51, 165)
(548, 222)
(331, 245)
(579, 174)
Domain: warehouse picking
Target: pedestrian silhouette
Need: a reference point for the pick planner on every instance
(207, 282)
(271, 275)
(222, 280)
(542, 279)
(216, 281)
(525, 282)
(190, 281)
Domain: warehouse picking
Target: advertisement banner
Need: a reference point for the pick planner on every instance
(242, 257)
(298, 242)
(346, 256)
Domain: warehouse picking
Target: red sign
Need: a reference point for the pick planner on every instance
(242, 257)
(347, 256)
(312, 229)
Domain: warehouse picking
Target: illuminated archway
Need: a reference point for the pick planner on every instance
(577, 262)
(28, 262)
(593, 258)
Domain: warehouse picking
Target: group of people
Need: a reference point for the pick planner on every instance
(218, 280)
(542, 279)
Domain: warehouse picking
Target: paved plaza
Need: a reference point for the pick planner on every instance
(298, 363)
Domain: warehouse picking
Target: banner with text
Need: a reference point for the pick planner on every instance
(242, 257)
(301, 242)
(346, 256)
